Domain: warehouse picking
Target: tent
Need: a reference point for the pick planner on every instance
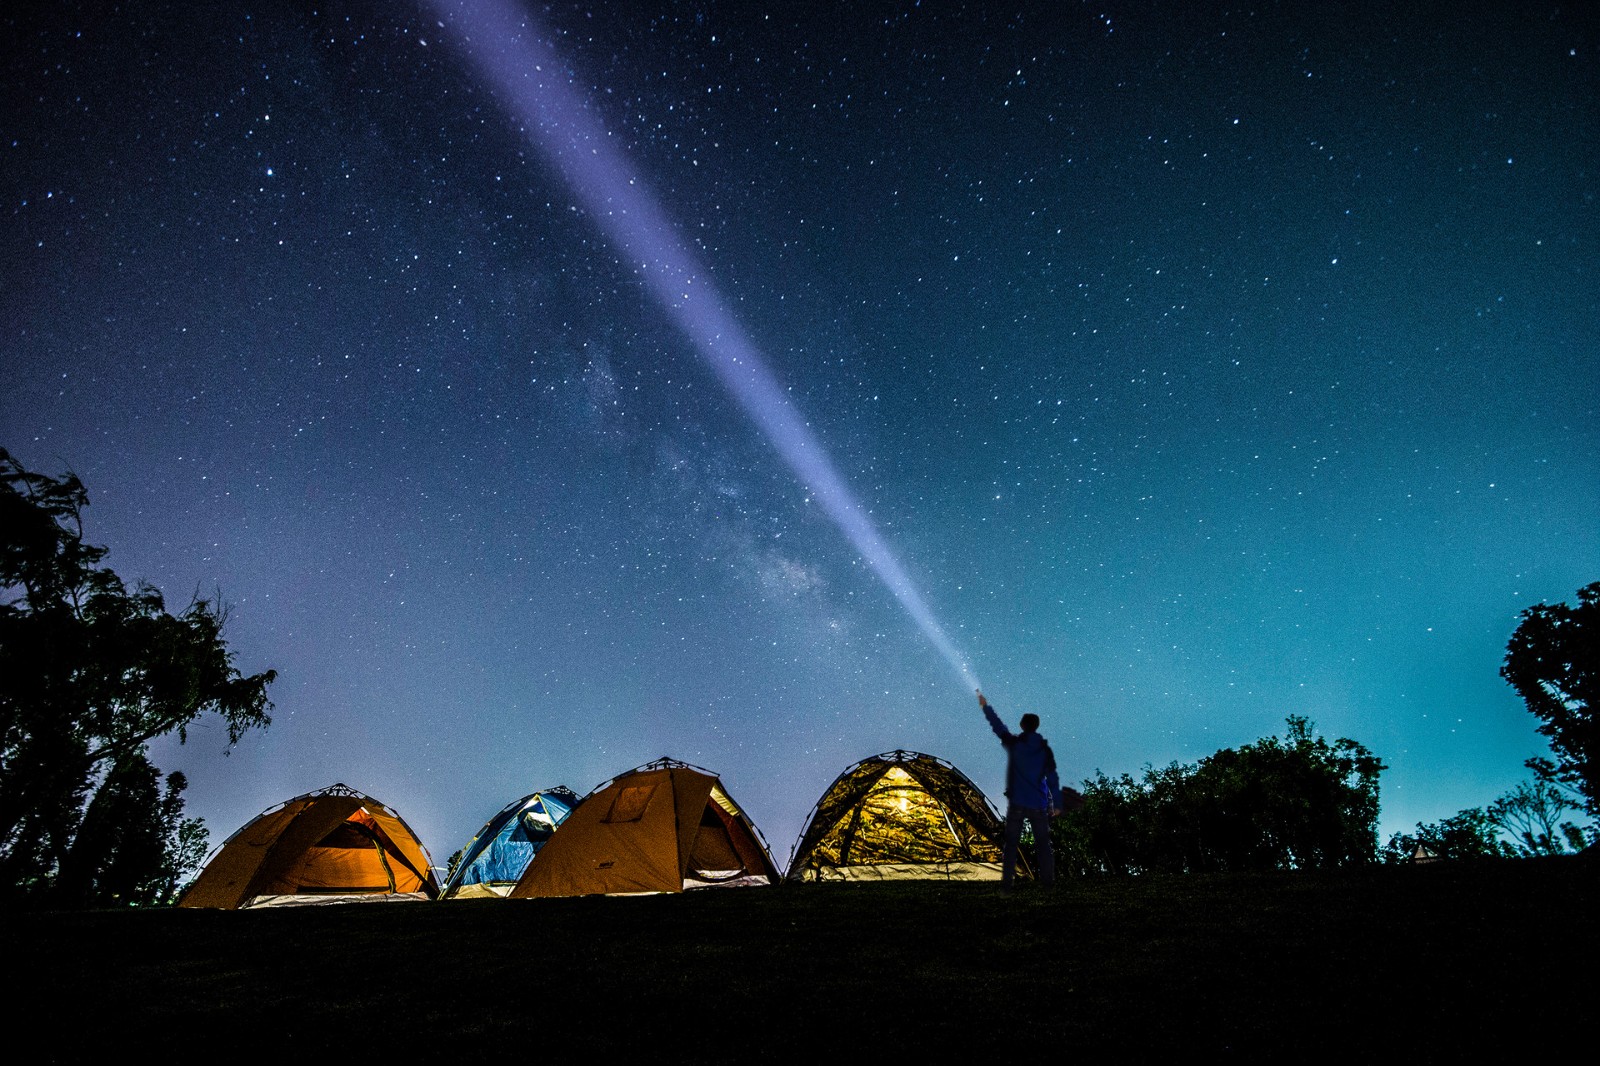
(663, 827)
(897, 816)
(1423, 853)
(497, 857)
(330, 846)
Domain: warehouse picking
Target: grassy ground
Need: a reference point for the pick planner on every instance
(1442, 960)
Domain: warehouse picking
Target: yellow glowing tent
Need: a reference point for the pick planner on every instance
(897, 816)
(663, 827)
(330, 846)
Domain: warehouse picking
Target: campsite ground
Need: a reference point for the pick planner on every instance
(1441, 960)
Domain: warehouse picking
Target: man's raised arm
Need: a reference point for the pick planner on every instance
(995, 723)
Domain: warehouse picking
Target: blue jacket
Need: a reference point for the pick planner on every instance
(1030, 766)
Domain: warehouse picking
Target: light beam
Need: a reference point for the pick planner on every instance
(534, 85)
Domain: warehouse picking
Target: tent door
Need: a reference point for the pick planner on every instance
(713, 856)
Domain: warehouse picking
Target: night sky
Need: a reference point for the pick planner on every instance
(1201, 366)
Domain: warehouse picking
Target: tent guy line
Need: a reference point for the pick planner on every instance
(506, 50)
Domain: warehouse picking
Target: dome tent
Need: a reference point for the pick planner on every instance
(334, 845)
(896, 816)
(494, 860)
(663, 827)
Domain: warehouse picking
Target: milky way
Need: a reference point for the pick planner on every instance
(506, 49)
(1202, 366)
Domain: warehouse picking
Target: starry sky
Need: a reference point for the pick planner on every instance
(1201, 364)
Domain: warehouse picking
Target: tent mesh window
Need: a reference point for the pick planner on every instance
(630, 804)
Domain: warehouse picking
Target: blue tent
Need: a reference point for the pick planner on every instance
(494, 860)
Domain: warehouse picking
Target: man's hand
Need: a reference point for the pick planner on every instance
(981, 701)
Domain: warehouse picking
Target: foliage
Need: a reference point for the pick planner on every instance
(1526, 822)
(1296, 802)
(133, 845)
(1553, 661)
(1532, 815)
(1470, 834)
(90, 672)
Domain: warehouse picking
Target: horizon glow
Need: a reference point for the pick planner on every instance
(534, 84)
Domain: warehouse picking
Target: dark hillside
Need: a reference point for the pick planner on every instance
(1439, 960)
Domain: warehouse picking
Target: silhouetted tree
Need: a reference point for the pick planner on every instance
(1533, 816)
(1102, 835)
(1526, 822)
(1469, 834)
(1553, 661)
(90, 672)
(133, 844)
(1296, 802)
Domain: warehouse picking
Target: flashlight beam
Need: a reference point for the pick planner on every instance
(532, 82)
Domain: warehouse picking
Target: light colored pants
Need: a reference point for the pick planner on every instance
(1039, 818)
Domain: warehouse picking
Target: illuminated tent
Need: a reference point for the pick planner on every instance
(663, 827)
(330, 846)
(897, 816)
(494, 860)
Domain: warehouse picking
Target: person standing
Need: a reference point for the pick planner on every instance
(1033, 793)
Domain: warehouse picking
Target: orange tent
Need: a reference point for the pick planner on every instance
(663, 827)
(330, 846)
